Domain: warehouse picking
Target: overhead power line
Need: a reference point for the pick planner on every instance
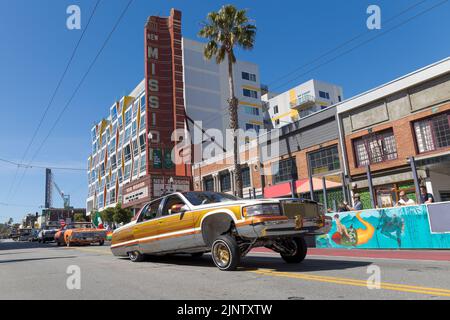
(378, 35)
(387, 21)
(52, 98)
(78, 86)
(19, 165)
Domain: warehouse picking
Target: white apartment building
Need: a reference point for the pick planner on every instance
(114, 159)
(207, 90)
(301, 101)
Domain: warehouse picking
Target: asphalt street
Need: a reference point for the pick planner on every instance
(41, 271)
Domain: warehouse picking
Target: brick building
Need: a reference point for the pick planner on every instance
(386, 126)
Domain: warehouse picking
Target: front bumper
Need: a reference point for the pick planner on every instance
(261, 228)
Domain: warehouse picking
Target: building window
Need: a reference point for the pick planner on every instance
(251, 126)
(246, 177)
(324, 95)
(128, 117)
(143, 166)
(127, 153)
(375, 148)
(208, 184)
(250, 93)
(225, 182)
(287, 170)
(143, 104)
(324, 160)
(251, 110)
(275, 110)
(433, 133)
(339, 98)
(249, 76)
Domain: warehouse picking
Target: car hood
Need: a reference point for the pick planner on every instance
(241, 202)
(87, 230)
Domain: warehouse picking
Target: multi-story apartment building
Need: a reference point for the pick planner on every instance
(385, 127)
(301, 101)
(207, 90)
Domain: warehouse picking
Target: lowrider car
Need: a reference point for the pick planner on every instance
(80, 233)
(228, 227)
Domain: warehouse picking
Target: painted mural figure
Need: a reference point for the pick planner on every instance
(352, 236)
(391, 227)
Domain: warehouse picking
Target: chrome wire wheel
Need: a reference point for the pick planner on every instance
(225, 253)
(222, 254)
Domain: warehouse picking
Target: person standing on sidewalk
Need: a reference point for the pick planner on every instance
(425, 197)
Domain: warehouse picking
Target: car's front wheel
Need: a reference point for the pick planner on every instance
(136, 256)
(225, 253)
(101, 243)
(299, 248)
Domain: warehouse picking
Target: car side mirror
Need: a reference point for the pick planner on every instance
(178, 208)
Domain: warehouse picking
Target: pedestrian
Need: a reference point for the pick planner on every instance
(425, 197)
(404, 200)
(357, 204)
(342, 207)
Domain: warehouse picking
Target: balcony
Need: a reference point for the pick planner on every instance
(303, 102)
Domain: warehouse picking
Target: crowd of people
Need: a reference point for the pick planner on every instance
(404, 200)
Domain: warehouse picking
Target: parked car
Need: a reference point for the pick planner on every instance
(228, 227)
(80, 233)
(24, 234)
(47, 234)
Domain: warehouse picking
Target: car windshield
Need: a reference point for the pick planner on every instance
(199, 198)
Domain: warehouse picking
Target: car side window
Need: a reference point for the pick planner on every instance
(150, 211)
(170, 202)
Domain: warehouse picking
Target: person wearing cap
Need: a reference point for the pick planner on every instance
(357, 203)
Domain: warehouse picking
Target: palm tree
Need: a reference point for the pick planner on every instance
(226, 29)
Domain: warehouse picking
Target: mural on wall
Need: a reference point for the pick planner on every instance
(390, 228)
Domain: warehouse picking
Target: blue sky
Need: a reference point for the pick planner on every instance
(36, 45)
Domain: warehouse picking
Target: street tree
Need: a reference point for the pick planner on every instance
(107, 215)
(122, 215)
(226, 29)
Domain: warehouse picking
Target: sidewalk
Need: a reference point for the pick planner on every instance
(430, 255)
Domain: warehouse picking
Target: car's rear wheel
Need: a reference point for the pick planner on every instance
(136, 256)
(225, 253)
(101, 243)
(299, 253)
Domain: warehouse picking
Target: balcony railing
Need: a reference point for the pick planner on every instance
(304, 101)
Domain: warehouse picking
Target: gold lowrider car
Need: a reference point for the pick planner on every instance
(228, 227)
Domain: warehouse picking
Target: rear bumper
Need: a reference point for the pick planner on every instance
(275, 228)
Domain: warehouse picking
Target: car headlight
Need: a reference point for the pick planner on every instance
(262, 209)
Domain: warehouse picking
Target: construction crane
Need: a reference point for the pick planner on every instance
(49, 183)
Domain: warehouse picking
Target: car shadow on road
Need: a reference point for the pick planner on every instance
(36, 259)
(22, 245)
(251, 263)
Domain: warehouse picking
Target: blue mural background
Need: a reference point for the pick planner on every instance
(391, 228)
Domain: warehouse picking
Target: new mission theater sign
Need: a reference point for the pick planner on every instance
(164, 111)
